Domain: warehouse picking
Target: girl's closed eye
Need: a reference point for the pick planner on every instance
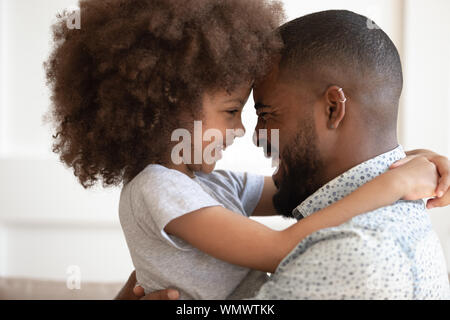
(233, 112)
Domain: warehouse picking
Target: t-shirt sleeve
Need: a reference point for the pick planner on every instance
(247, 187)
(163, 195)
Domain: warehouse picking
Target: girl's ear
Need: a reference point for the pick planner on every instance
(335, 106)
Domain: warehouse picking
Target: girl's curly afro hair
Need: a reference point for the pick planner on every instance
(120, 82)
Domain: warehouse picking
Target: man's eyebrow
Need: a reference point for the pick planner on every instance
(259, 105)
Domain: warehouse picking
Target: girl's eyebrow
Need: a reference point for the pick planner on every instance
(235, 100)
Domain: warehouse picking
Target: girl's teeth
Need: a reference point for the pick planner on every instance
(219, 153)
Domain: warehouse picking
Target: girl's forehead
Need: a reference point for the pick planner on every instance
(239, 94)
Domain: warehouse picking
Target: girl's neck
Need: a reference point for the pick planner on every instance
(183, 168)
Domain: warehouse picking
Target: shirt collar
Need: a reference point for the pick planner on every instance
(347, 182)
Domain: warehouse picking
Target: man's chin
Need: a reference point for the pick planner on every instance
(282, 204)
(291, 193)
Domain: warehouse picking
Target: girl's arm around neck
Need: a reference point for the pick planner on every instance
(265, 205)
(236, 239)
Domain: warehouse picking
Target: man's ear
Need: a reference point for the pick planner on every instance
(335, 106)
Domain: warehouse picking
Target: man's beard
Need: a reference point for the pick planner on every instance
(302, 160)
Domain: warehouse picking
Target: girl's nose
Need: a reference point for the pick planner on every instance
(240, 129)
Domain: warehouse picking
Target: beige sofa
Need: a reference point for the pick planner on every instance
(32, 289)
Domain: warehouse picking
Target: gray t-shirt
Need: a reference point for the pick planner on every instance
(158, 195)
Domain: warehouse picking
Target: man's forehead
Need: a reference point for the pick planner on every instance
(270, 76)
(266, 83)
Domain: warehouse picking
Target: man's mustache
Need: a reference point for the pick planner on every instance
(269, 149)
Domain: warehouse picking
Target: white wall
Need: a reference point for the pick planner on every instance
(3, 22)
(426, 97)
(49, 222)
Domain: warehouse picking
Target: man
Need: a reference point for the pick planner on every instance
(343, 81)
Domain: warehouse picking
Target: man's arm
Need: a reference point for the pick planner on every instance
(342, 265)
(128, 292)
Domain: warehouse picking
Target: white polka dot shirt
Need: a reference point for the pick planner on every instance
(389, 253)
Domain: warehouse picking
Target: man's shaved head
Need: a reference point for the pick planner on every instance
(333, 93)
(345, 48)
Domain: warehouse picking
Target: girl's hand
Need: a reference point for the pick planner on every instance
(443, 168)
(419, 178)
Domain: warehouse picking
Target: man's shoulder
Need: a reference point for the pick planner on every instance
(387, 233)
(398, 212)
(343, 237)
(374, 234)
(383, 254)
(344, 262)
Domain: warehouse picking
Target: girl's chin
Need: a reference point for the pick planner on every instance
(208, 168)
(204, 167)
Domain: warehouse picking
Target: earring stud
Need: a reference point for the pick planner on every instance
(342, 95)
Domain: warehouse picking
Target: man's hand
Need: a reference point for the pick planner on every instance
(443, 167)
(132, 292)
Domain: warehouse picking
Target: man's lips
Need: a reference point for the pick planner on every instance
(275, 182)
(269, 150)
(277, 175)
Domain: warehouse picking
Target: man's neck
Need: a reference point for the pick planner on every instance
(348, 181)
(352, 154)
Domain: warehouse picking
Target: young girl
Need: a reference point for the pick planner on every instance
(139, 69)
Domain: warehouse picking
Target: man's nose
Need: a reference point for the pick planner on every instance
(256, 134)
